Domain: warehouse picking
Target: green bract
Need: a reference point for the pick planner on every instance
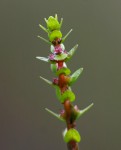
(67, 95)
(47, 81)
(61, 56)
(54, 35)
(75, 76)
(81, 112)
(52, 23)
(58, 92)
(71, 52)
(43, 58)
(53, 67)
(72, 135)
(65, 71)
(52, 48)
(54, 114)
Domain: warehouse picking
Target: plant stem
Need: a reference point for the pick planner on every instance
(72, 145)
(68, 107)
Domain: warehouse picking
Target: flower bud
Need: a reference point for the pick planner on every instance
(72, 135)
(52, 23)
(51, 57)
(54, 35)
(55, 81)
(58, 49)
(63, 114)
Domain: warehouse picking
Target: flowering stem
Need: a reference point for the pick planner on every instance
(63, 82)
(72, 145)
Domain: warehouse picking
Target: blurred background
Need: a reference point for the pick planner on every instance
(24, 123)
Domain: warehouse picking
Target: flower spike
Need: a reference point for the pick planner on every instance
(64, 79)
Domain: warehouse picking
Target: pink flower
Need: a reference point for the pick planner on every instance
(51, 56)
(58, 50)
(65, 52)
(55, 81)
(76, 108)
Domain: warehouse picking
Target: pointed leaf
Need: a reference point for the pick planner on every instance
(54, 67)
(64, 132)
(75, 76)
(43, 28)
(84, 110)
(58, 92)
(43, 58)
(45, 40)
(47, 81)
(64, 38)
(46, 20)
(61, 22)
(56, 16)
(71, 52)
(54, 114)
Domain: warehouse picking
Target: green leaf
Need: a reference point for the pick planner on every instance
(58, 92)
(71, 52)
(52, 48)
(54, 34)
(61, 22)
(67, 95)
(61, 56)
(63, 70)
(81, 112)
(64, 38)
(52, 23)
(54, 114)
(43, 28)
(72, 135)
(43, 58)
(47, 81)
(75, 76)
(45, 40)
(56, 16)
(54, 67)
